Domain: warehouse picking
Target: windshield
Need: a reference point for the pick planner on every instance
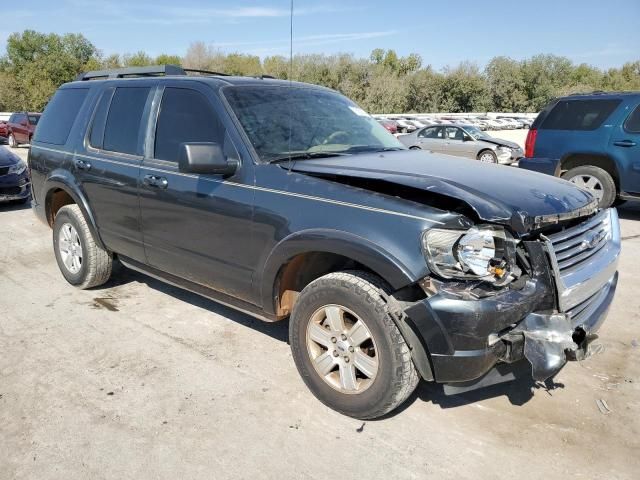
(283, 120)
(475, 132)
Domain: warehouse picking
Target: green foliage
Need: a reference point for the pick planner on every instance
(35, 64)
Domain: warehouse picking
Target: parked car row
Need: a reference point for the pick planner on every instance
(410, 123)
(19, 129)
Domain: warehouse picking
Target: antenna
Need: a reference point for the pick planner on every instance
(290, 82)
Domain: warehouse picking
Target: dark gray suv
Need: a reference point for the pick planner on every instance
(287, 201)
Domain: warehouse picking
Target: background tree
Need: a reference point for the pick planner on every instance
(35, 64)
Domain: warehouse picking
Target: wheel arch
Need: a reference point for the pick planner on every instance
(602, 161)
(304, 256)
(60, 191)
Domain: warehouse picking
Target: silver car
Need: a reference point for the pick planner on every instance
(463, 141)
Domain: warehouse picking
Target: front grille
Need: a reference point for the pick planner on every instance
(584, 257)
(10, 190)
(4, 170)
(584, 309)
(576, 245)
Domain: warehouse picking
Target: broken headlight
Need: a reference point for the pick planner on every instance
(485, 253)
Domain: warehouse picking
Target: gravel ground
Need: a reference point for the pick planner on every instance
(141, 380)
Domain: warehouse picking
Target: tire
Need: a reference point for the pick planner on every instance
(92, 265)
(487, 156)
(415, 147)
(12, 141)
(597, 181)
(361, 296)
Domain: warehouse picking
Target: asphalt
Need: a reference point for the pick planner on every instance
(138, 379)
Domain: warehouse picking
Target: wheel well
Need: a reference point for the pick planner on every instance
(484, 150)
(303, 269)
(601, 161)
(56, 199)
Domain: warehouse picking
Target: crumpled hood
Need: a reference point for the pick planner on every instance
(499, 142)
(497, 193)
(7, 158)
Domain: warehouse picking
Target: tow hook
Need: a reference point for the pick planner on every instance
(550, 341)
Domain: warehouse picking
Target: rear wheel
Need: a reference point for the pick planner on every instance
(81, 260)
(415, 148)
(348, 348)
(595, 180)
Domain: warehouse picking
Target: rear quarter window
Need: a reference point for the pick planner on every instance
(579, 114)
(56, 122)
(632, 124)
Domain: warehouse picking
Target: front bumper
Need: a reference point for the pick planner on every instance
(14, 187)
(468, 337)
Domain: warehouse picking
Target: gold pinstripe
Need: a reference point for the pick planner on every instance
(249, 187)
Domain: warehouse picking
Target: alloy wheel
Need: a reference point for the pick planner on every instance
(70, 248)
(342, 349)
(589, 182)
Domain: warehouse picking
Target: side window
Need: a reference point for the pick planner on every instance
(12, 118)
(453, 133)
(579, 114)
(96, 136)
(431, 132)
(185, 116)
(124, 119)
(632, 125)
(56, 121)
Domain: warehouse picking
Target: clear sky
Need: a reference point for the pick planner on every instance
(604, 33)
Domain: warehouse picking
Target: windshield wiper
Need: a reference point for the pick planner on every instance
(369, 148)
(306, 156)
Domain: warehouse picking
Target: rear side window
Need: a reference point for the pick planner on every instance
(99, 119)
(632, 124)
(579, 114)
(58, 117)
(185, 116)
(124, 119)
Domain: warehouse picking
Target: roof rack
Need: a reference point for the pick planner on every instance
(149, 71)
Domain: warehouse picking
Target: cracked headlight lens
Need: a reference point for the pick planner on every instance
(480, 253)
(18, 168)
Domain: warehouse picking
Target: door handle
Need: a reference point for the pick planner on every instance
(625, 143)
(82, 165)
(155, 181)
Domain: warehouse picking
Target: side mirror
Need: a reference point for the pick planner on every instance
(205, 157)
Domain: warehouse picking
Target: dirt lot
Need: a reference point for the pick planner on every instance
(142, 380)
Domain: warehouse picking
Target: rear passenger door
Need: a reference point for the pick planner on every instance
(196, 226)
(431, 138)
(625, 144)
(108, 167)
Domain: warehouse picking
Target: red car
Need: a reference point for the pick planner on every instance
(390, 125)
(20, 127)
(4, 131)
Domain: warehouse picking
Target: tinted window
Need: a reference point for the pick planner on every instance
(633, 122)
(124, 119)
(579, 114)
(58, 117)
(99, 119)
(33, 119)
(432, 132)
(185, 116)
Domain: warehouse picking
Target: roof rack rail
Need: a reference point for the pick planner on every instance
(208, 72)
(153, 70)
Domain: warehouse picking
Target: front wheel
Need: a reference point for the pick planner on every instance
(487, 156)
(12, 141)
(415, 147)
(596, 180)
(347, 347)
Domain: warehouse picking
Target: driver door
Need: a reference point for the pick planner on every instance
(195, 226)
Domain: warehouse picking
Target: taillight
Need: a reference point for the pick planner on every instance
(530, 143)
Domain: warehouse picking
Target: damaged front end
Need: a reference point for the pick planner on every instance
(547, 316)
